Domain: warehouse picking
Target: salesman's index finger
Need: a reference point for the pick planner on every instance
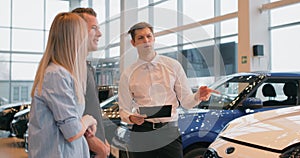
(214, 91)
(209, 90)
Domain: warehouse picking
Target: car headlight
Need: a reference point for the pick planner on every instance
(291, 152)
(211, 153)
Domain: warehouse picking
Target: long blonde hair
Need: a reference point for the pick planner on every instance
(67, 46)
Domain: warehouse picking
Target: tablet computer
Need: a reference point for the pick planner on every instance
(156, 111)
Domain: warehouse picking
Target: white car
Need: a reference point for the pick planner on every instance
(269, 134)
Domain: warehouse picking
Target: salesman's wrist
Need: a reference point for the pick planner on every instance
(129, 118)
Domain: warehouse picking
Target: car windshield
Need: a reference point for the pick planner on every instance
(229, 87)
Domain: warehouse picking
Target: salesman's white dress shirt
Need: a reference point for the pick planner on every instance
(159, 82)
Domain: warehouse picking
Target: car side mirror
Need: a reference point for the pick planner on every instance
(252, 103)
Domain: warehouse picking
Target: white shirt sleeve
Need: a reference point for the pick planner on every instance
(182, 89)
(125, 98)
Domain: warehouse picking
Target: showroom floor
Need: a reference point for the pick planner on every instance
(11, 147)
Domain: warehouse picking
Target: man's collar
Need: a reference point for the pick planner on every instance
(154, 61)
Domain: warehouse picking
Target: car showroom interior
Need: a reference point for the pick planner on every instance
(244, 52)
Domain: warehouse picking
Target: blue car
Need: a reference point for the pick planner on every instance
(240, 94)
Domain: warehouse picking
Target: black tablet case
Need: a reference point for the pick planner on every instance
(156, 111)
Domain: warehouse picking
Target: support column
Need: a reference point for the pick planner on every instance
(253, 30)
(129, 16)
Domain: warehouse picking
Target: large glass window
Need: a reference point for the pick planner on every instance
(53, 7)
(16, 93)
(114, 31)
(24, 66)
(143, 3)
(24, 93)
(4, 38)
(114, 52)
(22, 57)
(143, 15)
(163, 11)
(285, 47)
(23, 35)
(198, 36)
(285, 15)
(198, 10)
(24, 31)
(4, 71)
(166, 41)
(24, 71)
(114, 8)
(99, 7)
(20, 93)
(101, 42)
(229, 27)
(285, 33)
(5, 13)
(228, 6)
(4, 57)
(27, 40)
(28, 17)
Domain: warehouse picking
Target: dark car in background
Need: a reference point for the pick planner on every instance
(19, 123)
(240, 94)
(110, 115)
(7, 113)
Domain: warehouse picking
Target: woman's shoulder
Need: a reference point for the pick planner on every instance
(55, 70)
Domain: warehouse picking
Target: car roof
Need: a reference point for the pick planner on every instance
(5, 106)
(279, 74)
(22, 112)
(107, 101)
(269, 73)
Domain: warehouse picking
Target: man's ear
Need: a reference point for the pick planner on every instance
(133, 43)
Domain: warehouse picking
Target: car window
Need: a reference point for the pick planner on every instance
(232, 89)
(229, 88)
(278, 92)
(278, 87)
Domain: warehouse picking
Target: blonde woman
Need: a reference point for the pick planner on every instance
(56, 124)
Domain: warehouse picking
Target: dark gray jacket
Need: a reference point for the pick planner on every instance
(92, 106)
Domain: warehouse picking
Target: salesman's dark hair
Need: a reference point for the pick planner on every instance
(138, 26)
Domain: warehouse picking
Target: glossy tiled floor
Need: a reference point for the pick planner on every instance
(11, 147)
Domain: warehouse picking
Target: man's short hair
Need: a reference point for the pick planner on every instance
(82, 11)
(138, 26)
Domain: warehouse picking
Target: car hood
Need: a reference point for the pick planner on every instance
(22, 112)
(6, 106)
(274, 129)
